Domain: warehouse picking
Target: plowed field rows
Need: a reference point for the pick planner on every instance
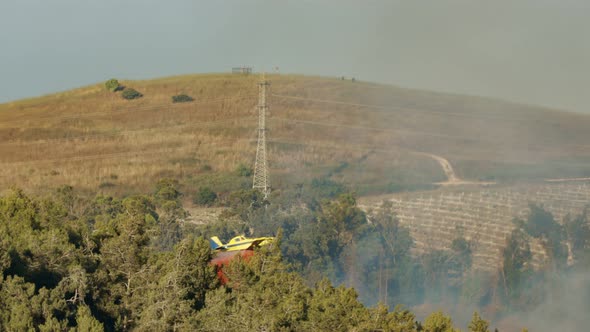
(483, 217)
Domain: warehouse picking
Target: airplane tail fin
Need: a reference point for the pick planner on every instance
(215, 243)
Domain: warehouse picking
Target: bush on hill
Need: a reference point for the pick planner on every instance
(327, 188)
(243, 170)
(112, 85)
(205, 196)
(130, 94)
(182, 98)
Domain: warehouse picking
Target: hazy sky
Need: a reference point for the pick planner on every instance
(533, 51)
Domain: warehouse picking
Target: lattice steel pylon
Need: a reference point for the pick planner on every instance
(261, 178)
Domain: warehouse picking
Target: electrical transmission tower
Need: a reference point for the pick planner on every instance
(261, 180)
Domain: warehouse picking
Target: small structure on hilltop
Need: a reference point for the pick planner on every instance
(242, 70)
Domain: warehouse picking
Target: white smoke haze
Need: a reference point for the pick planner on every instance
(565, 307)
(551, 298)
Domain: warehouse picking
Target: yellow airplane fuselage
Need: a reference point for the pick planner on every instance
(241, 243)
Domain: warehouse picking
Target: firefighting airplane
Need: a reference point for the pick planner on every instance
(239, 243)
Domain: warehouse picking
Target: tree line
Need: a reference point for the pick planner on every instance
(74, 263)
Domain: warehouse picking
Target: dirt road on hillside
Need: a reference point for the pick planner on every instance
(452, 178)
(568, 180)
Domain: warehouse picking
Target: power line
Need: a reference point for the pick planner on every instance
(330, 124)
(392, 108)
(542, 147)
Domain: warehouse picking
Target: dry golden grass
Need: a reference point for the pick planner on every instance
(92, 138)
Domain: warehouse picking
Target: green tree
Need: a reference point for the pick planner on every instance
(390, 272)
(462, 252)
(398, 320)
(86, 322)
(191, 272)
(540, 224)
(170, 214)
(178, 290)
(167, 190)
(245, 203)
(52, 324)
(333, 238)
(205, 196)
(342, 218)
(130, 94)
(577, 230)
(477, 324)
(182, 98)
(438, 322)
(397, 239)
(460, 262)
(5, 260)
(243, 170)
(516, 263)
(437, 266)
(18, 312)
(335, 308)
(112, 85)
(325, 188)
(125, 271)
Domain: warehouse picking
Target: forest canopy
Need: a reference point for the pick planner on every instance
(133, 263)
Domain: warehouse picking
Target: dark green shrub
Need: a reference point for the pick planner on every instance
(106, 184)
(167, 190)
(112, 85)
(243, 170)
(327, 188)
(182, 99)
(205, 196)
(131, 94)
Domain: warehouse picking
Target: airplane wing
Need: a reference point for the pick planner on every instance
(260, 242)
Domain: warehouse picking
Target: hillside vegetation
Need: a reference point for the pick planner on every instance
(361, 134)
(119, 251)
(71, 264)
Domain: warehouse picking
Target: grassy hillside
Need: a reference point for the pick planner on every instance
(361, 134)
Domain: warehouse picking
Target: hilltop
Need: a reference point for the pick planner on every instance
(452, 247)
(373, 138)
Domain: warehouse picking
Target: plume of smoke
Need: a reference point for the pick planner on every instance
(565, 306)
